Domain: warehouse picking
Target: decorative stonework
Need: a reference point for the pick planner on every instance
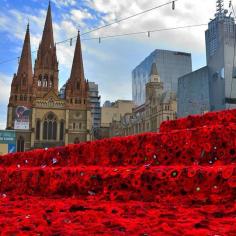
(50, 103)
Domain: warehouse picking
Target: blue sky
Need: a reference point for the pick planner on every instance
(109, 63)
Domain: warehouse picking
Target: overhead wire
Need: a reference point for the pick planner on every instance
(120, 20)
(148, 32)
(123, 35)
(104, 26)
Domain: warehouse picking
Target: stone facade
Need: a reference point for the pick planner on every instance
(113, 113)
(158, 107)
(40, 117)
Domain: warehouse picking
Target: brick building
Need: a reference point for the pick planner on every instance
(40, 117)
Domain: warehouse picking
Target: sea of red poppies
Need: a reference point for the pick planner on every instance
(181, 181)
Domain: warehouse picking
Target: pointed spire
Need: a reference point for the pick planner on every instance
(47, 38)
(154, 69)
(25, 64)
(77, 71)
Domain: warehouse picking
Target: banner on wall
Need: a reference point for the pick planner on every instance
(22, 116)
(7, 141)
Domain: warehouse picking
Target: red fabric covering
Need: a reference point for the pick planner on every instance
(181, 181)
(194, 121)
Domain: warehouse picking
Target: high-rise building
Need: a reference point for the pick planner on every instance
(170, 64)
(94, 100)
(35, 111)
(114, 112)
(214, 86)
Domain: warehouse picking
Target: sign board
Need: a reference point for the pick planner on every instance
(22, 115)
(7, 141)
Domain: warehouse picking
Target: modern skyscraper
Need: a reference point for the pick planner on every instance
(170, 65)
(94, 100)
(214, 86)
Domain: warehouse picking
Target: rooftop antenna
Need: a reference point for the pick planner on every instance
(220, 6)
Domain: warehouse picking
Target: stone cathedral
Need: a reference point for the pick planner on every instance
(40, 117)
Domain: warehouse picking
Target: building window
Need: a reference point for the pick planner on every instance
(50, 127)
(21, 97)
(80, 125)
(25, 98)
(62, 130)
(20, 144)
(16, 97)
(51, 81)
(78, 85)
(73, 125)
(38, 130)
(45, 81)
(40, 81)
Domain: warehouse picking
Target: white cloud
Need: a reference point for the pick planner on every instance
(64, 3)
(5, 87)
(80, 15)
(186, 13)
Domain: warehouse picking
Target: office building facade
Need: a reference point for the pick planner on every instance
(217, 82)
(170, 65)
(95, 108)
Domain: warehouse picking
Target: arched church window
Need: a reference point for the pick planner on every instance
(50, 127)
(40, 81)
(24, 79)
(78, 85)
(21, 97)
(45, 81)
(51, 81)
(62, 130)
(76, 141)
(25, 98)
(38, 129)
(20, 144)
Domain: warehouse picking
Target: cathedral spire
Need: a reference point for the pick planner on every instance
(25, 64)
(154, 69)
(154, 76)
(77, 71)
(77, 87)
(46, 64)
(47, 38)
